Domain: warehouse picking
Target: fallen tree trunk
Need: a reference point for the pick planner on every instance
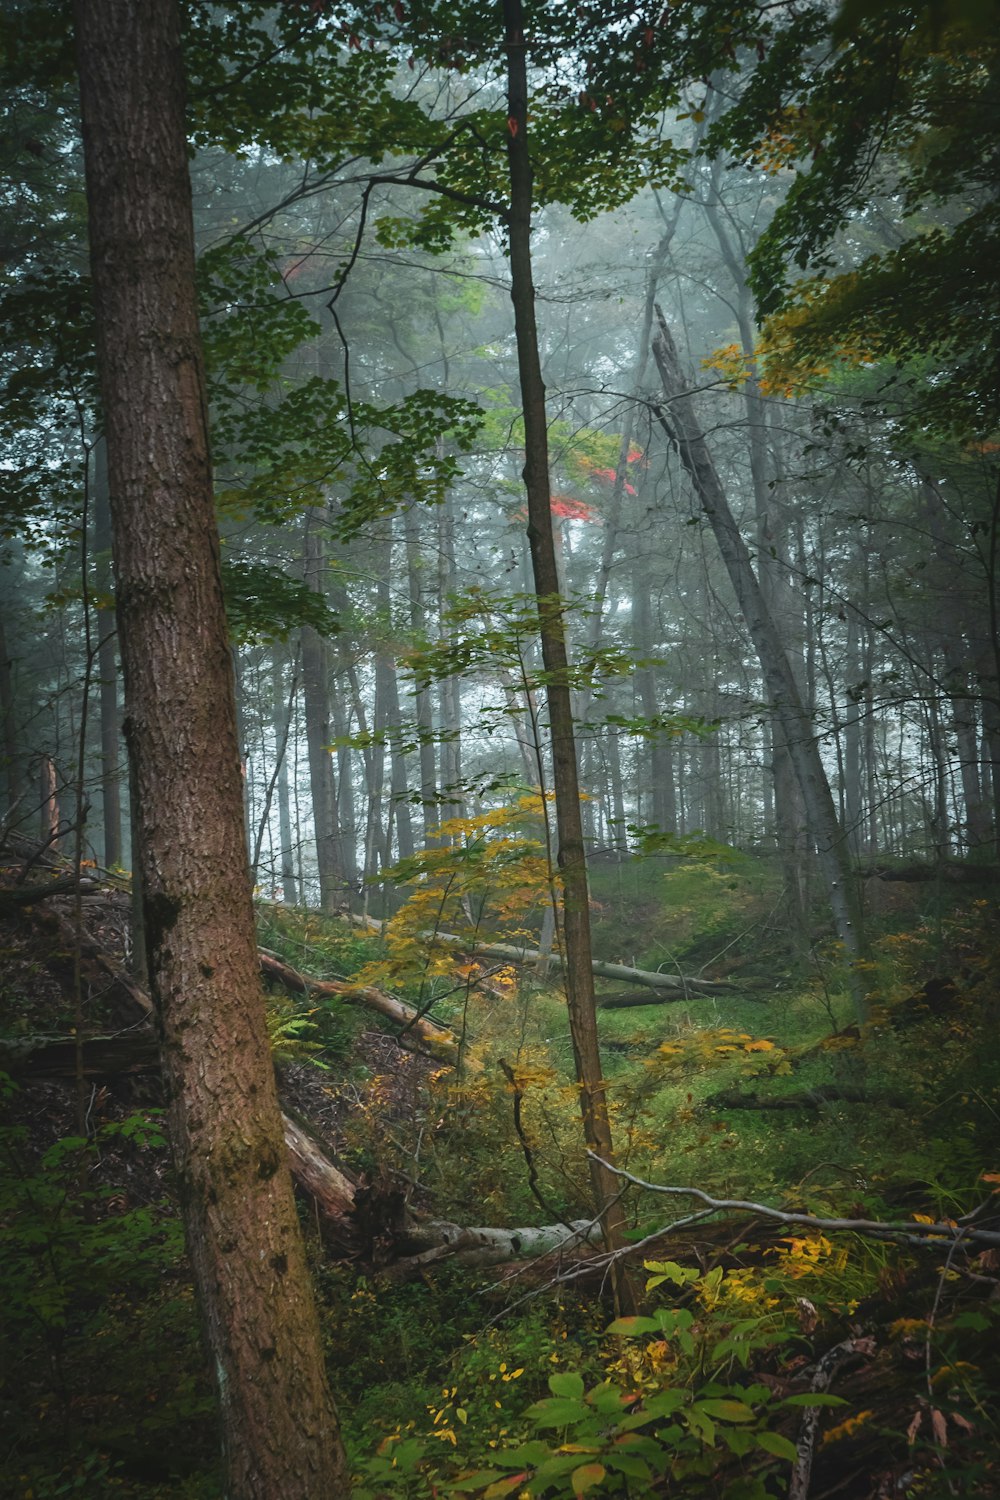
(634, 998)
(14, 898)
(98, 1056)
(416, 1033)
(623, 972)
(99, 973)
(514, 953)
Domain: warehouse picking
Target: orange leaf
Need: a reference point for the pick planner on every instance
(585, 1477)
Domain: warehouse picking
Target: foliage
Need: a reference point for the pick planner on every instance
(264, 604)
(677, 1401)
(97, 1302)
(488, 872)
(322, 1030)
(921, 132)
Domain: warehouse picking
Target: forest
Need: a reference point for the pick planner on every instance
(500, 762)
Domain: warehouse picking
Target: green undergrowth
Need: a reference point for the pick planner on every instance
(514, 1382)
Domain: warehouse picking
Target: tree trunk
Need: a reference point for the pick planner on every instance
(107, 668)
(279, 1425)
(11, 748)
(423, 701)
(450, 686)
(316, 698)
(289, 884)
(51, 821)
(552, 632)
(685, 431)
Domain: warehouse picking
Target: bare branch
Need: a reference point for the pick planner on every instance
(954, 1232)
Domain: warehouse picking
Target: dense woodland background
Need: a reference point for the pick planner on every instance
(804, 203)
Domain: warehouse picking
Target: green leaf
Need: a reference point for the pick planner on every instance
(820, 1398)
(473, 1481)
(665, 1403)
(669, 1270)
(567, 1383)
(700, 1424)
(559, 1412)
(781, 1447)
(726, 1411)
(532, 1453)
(606, 1398)
(635, 1468)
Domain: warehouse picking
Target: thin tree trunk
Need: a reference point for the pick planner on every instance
(11, 748)
(289, 885)
(316, 699)
(279, 1425)
(552, 632)
(49, 798)
(423, 700)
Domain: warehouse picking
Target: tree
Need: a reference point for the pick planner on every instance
(551, 628)
(279, 1425)
(783, 693)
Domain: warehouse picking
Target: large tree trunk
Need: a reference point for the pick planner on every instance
(280, 1434)
(683, 427)
(552, 632)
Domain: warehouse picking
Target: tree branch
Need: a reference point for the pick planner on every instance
(912, 1233)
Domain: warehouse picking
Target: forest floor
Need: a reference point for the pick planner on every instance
(446, 1380)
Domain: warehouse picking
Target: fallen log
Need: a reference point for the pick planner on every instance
(98, 1057)
(633, 998)
(99, 973)
(623, 972)
(416, 1033)
(15, 897)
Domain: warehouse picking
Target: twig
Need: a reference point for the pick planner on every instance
(535, 1190)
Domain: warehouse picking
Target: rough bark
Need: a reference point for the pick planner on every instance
(279, 1425)
(107, 669)
(799, 734)
(552, 633)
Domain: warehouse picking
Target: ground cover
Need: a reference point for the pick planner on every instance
(507, 1381)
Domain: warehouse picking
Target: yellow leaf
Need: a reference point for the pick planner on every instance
(845, 1429)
